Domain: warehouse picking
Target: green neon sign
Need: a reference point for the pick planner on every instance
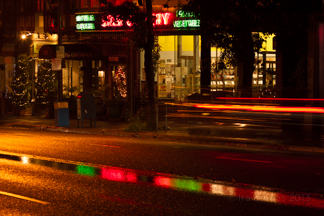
(85, 26)
(85, 18)
(181, 13)
(85, 22)
(186, 23)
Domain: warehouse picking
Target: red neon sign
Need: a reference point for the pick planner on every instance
(160, 20)
(112, 22)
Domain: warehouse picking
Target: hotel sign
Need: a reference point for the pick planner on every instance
(85, 21)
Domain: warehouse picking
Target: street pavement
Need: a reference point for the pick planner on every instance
(176, 132)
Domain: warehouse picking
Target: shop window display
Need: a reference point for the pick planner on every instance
(178, 74)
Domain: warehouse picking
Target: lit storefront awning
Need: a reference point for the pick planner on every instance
(72, 51)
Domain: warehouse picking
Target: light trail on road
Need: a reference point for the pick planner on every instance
(240, 159)
(238, 191)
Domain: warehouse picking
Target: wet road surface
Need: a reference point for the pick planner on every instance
(47, 173)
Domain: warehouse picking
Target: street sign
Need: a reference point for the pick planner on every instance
(56, 64)
(60, 52)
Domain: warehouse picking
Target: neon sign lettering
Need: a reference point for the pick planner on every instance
(85, 26)
(85, 21)
(112, 22)
(85, 18)
(184, 20)
(181, 13)
(186, 23)
(161, 18)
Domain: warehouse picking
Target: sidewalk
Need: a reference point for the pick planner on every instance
(177, 132)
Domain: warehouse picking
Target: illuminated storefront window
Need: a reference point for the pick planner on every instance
(179, 69)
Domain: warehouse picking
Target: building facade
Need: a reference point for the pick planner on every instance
(95, 51)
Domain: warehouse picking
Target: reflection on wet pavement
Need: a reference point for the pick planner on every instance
(236, 191)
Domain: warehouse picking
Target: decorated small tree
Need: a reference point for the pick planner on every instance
(21, 85)
(121, 81)
(45, 84)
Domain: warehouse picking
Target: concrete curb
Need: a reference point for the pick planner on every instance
(201, 140)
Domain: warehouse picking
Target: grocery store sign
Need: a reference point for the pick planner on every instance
(161, 20)
(183, 22)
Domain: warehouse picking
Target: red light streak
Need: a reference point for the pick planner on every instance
(206, 187)
(131, 177)
(275, 99)
(241, 159)
(245, 193)
(118, 175)
(112, 174)
(162, 181)
(262, 108)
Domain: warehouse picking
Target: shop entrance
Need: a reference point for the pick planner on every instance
(118, 73)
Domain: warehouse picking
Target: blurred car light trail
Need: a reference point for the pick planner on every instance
(262, 108)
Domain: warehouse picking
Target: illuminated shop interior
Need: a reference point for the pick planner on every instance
(179, 68)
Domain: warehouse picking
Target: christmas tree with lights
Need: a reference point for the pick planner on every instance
(45, 84)
(121, 81)
(21, 84)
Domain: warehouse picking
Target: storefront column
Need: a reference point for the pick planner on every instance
(205, 78)
(196, 64)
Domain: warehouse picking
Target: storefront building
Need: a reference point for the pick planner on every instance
(179, 66)
(95, 50)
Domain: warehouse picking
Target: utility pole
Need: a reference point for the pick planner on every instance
(59, 73)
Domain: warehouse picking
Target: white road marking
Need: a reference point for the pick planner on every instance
(23, 197)
(240, 159)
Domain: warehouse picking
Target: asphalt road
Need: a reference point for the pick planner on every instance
(52, 173)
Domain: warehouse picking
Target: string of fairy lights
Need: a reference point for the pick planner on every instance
(45, 83)
(121, 81)
(21, 84)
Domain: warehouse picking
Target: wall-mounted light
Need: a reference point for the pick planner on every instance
(25, 35)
